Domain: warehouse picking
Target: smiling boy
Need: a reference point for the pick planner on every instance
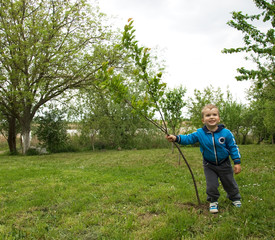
(216, 144)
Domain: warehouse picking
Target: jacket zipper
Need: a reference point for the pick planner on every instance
(215, 150)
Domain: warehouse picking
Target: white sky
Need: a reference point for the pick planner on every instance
(192, 34)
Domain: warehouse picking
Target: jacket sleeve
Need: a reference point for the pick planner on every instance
(187, 139)
(233, 149)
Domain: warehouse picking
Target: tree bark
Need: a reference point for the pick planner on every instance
(12, 134)
(93, 141)
(25, 123)
(26, 140)
(244, 139)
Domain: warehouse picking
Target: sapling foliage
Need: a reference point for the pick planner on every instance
(147, 101)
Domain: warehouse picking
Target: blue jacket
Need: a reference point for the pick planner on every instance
(215, 146)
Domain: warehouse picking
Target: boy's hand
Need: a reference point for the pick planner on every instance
(237, 168)
(171, 138)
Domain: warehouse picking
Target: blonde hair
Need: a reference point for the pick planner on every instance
(210, 106)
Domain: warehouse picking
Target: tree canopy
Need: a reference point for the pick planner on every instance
(259, 42)
(47, 48)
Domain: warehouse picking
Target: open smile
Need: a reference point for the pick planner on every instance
(211, 122)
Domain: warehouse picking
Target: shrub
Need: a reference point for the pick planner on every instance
(52, 131)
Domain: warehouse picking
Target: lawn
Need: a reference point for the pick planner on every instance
(138, 194)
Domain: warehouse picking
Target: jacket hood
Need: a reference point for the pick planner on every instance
(220, 127)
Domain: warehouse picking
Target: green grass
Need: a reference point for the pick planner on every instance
(130, 195)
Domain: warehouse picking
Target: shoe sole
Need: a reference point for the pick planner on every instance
(214, 211)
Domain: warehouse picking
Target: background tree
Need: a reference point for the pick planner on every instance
(47, 48)
(231, 114)
(246, 125)
(200, 99)
(269, 112)
(172, 105)
(260, 44)
(262, 106)
(107, 123)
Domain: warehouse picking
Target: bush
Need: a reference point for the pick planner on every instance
(52, 132)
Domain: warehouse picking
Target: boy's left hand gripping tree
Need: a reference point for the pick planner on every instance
(146, 100)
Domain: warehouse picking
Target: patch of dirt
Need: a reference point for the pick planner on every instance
(203, 208)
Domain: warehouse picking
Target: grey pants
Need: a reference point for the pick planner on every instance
(224, 172)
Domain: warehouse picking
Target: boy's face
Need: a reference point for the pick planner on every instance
(211, 118)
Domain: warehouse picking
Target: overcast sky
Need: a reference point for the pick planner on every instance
(192, 34)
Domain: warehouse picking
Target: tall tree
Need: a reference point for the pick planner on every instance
(259, 43)
(47, 48)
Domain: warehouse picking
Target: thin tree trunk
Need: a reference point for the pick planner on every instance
(93, 141)
(191, 172)
(244, 139)
(172, 148)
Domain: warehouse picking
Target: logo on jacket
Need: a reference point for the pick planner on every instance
(222, 140)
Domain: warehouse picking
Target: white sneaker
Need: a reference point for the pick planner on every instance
(237, 203)
(214, 207)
